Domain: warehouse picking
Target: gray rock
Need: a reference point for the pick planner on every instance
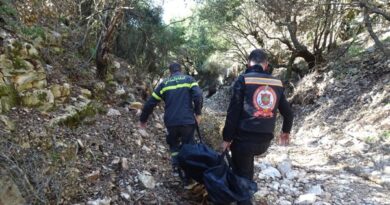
(261, 165)
(285, 167)
(147, 180)
(275, 185)
(292, 174)
(271, 172)
(113, 112)
(316, 190)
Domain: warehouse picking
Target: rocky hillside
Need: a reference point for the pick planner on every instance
(67, 138)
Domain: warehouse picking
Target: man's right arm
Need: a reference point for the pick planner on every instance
(151, 103)
(234, 110)
(197, 98)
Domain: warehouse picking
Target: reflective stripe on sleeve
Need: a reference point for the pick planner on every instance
(263, 81)
(156, 96)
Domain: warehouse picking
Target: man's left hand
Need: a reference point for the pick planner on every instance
(225, 145)
(198, 118)
(142, 125)
(284, 139)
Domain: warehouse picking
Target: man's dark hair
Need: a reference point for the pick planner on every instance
(174, 67)
(258, 56)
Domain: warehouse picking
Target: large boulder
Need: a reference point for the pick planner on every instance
(60, 92)
(8, 124)
(74, 114)
(42, 99)
(9, 192)
(5, 63)
(29, 80)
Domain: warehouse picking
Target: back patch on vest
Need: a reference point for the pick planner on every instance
(264, 101)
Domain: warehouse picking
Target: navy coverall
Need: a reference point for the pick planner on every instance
(183, 99)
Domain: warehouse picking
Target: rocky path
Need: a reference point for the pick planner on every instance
(305, 174)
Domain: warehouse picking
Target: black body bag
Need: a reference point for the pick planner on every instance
(224, 187)
(208, 167)
(195, 159)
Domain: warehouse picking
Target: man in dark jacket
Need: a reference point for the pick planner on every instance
(251, 116)
(183, 105)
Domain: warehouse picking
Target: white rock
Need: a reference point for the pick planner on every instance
(306, 199)
(105, 201)
(147, 180)
(113, 112)
(292, 175)
(129, 189)
(285, 186)
(261, 176)
(316, 190)
(143, 133)
(117, 65)
(159, 126)
(146, 149)
(116, 160)
(124, 163)
(138, 142)
(261, 165)
(261, 194)
(120, 91)
(80, 144)
(283, 202)
(275, 185)
(285, 167)
(125, 195)
(271, 172)
(386, 170)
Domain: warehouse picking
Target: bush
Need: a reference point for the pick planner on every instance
(33, 31)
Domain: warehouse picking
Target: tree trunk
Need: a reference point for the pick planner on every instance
(368, 25)
(105, 43)
(309, 57)
(301, 50)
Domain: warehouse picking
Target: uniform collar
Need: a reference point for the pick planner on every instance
(176, 73)
(255, 68)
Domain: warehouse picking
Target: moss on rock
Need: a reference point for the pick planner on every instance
(76, 114)
(8, 98)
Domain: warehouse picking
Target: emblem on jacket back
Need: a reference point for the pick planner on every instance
(264, 100)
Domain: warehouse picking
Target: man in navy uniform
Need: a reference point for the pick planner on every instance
(183, 108)
(251, 116)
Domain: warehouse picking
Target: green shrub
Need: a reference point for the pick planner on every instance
(33, 31)
(8, 10)
(355, 50)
